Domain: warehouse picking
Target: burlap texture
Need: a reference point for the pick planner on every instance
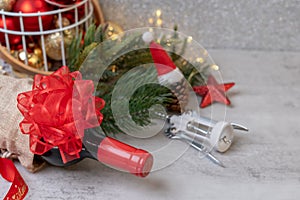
(11, 138)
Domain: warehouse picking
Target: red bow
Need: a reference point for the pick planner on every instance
(57, 111)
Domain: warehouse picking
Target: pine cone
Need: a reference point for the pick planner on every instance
(181, 93)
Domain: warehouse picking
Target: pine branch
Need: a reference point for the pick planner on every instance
(73, 52)
(140, 102)
(77, 52)
(85, 52)
(89, 36)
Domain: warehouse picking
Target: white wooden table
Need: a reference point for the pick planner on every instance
(265, 164)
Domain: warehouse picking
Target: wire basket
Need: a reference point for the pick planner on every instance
(92, 12)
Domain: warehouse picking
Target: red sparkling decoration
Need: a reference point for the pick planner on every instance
(213, 92)
(33, 6)
(10, 25)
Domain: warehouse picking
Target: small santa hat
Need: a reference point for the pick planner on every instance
(162, 60)
(167, 73)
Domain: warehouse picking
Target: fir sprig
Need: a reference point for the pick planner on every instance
(142, 99)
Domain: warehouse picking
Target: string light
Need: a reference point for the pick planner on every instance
(150, 20)
(200, 60)
(156, 20)
(114, 68)
(168, 44)
(159, 22)
(215, 67)
(110, 28)
(158, 13)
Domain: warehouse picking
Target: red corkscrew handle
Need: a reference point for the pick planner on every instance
(125, 157)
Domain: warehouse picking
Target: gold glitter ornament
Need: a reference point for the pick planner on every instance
(38, 51)
(53, 41)
(35, 61)
(53, 44)
(64, 22)
(7, 5)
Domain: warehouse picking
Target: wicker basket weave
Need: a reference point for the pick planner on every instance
(21, 67)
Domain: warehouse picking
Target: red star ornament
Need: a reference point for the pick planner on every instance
(213, 92)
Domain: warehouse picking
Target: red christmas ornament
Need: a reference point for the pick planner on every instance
(33, 6)
(71, 14)
(10, 25)
(213, 92)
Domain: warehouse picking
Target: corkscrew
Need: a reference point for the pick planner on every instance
(215, 134)
(201, 133)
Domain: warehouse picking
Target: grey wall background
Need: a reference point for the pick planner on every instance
(272, 25)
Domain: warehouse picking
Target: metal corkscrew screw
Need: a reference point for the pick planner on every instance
(175, 131)
(172, 133)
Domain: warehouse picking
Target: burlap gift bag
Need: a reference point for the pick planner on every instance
(13, 143)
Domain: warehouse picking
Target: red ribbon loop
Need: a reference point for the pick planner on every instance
(57, 111)
(18, 189)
